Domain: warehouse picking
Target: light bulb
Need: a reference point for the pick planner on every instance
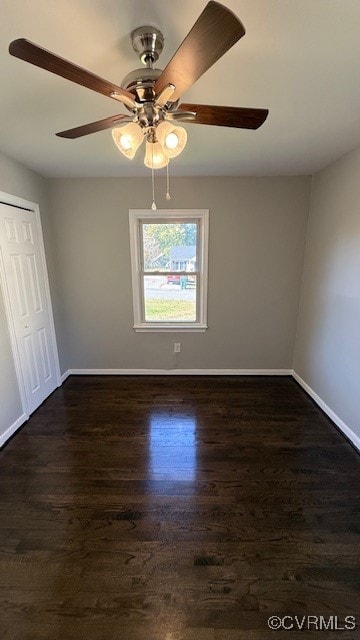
(128, 138)
(172, 139)
(125, 142)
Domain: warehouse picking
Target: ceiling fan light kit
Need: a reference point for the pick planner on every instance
(128, 138)
(172, 138)
(151, 96)
(155, 157)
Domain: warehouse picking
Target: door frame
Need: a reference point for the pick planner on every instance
(20, 203)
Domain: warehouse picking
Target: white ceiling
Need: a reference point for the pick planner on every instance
(299, 58)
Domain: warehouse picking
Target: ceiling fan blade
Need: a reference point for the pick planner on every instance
(239, 117)
(44, 59)
(93, 127)
(214, 32)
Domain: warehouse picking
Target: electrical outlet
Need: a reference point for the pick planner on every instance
(177, 347)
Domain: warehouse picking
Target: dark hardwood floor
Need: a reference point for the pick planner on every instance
(177, 508)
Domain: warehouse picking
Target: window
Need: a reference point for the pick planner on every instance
(169, 269)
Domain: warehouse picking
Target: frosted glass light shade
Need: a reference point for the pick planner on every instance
(154, 156)
(128, 138)
(172, 139)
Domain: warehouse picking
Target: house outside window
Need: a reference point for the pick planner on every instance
(169, 255)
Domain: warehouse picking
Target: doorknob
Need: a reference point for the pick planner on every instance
(27, 326)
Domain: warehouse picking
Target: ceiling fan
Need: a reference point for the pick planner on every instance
(151, 95)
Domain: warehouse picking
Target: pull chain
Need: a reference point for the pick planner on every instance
(168, 196)
(153, 206)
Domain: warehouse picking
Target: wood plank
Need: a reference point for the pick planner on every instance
(176, 508)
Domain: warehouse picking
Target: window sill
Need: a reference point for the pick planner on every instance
(173, 328)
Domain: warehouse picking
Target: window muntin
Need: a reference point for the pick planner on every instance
(169, 269)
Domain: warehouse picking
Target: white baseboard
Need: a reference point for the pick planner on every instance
(349, 433)
(14, 427)
(64, 376)
(180, 372)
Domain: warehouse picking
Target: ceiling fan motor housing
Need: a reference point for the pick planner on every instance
(141, 83)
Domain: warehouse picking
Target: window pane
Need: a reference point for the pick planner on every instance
(169, 247)
(170, 298)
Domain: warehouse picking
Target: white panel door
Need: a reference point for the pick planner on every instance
(26, 284)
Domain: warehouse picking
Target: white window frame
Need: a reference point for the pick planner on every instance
(170, 216)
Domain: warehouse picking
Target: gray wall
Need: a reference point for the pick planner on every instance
(257, 237)
(327, 354)
(17, 180)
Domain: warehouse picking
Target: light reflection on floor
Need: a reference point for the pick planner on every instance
(172, 446)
